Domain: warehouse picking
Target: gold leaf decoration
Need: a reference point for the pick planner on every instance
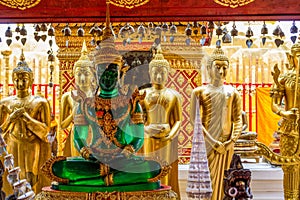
(20, 4)
(233, 3)
(128, 3)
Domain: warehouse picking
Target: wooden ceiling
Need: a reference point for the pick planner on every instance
(60, 11)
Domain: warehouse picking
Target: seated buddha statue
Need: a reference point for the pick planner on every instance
(246, 135)
(108, 130)
(245, 145)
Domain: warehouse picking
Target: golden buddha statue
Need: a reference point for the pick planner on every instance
(25, 121)
(163, 112)
(84, 71)
(286, 88)
(221, 115)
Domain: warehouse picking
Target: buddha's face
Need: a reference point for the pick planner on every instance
(83, 77)
(108, 76)
(218, 70)
(22, 81)
(159, 75)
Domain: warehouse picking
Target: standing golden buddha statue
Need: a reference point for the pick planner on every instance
(221, 115)
(163, 111)
(25, 121)
(286, 88)
(84, 71)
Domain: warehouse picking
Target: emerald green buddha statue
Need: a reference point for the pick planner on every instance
(108, 130)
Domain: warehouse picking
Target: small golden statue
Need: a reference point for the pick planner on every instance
(221, 115)
(163, 112)
(286, 87)
(84, 72)
(25, 121)
(245, 145)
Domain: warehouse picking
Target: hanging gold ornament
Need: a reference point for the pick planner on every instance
(233, 3)
(22, 5)
(128, 3)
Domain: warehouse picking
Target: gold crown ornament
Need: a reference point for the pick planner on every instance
(84, 60)
(22, 66)
(218, 54)
(108, 52)
(159, 60)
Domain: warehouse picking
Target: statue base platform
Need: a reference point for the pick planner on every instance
(164, 192)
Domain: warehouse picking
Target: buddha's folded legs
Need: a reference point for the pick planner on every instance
(119, 171)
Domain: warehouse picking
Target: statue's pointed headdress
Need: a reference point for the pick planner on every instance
(218, 54)
(22, 66)
(84, 60)
(108, 52)
(159, 60)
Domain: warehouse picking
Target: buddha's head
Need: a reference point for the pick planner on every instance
(159, 68)
(295, 49)
(84, 71)
(108, 63)
(294, 56)
(22, 75)
(217, 65)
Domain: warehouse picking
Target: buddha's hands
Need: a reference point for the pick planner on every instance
(157, 130)
(220, 147)
(16, 114)
(291, 127)
(128, 151)
(291, 114)
(85, 152)
(228, 145)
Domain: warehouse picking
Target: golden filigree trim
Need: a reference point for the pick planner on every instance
(109, 152)
(165, 194)
(136, 96)
(128, 3)
(109, 179)
(108, 124)
(47, 169)
(22, 5)
(137, 118)
(233, 3)
(104, 169)
(128, 151)
(113, 103)
(276, 158)
(108, 141)
(85, 152)
(165, 169)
